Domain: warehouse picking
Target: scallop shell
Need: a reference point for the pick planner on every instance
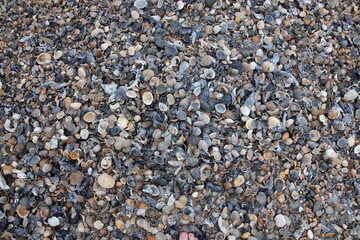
(147, 98)
(43, 58)
(106, 181)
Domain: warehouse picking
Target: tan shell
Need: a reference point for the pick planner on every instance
(147, 98)
(314, 135)
(131, 94)
(7, 169)
(106, 181)
(273, 121)
(76, 105)
(21, 211)
(106, 162)
(249, 123)
(57, 55)
(76, 178)
(43, 58)
(89, 117)
(44, 212)
(239, 181)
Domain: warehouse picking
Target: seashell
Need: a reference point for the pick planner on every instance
(261, 198)
(58, 55)
(220, 108)
(151, 212)
(3, 184)
(159, 160)
(7, 169)
(21, 211)
(204, 167)
(43, 58)
(239, 181)
(54, 221)
(106, 162)
(330, 153)
(163, 107)
(314, 135)
(209, 73)
(8, 127)
(131, 94)
(143, 223)
(147, 98)
(89, 117)
(223, 226)
(220, 236)
(73, 155)
(333, 113)
(342, 142)
(273, 121)
(245, 110)
(44, 212)
(180, 154)
(151, 189)
(250, 124)
(76, 105)
(103, 124)
(175, 163)
(7, 235)
(183, 176)
(122, 122)
(357, 149)
(279, 184)
(106, 181)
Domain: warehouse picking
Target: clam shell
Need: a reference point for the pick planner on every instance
(151, 189)
(106, 162)
(147, 98)
(209, 73)
(131, 94)
(273, 121)
(58, 55)
(89, 117)
(314, 135)
(43, 58)
(106, 181)
(21, 211)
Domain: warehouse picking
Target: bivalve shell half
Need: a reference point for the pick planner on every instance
(43, 58)
(314, 135)
(106, 181)
(147, 98)
(21, 211)
(89, 117)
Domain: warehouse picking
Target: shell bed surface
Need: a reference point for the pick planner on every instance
(144, 119)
